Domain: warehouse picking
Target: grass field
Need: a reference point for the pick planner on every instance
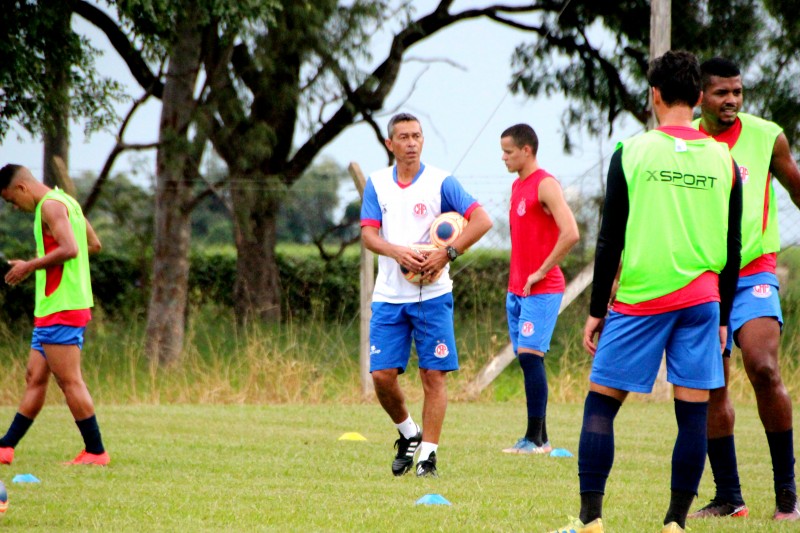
(282, 468)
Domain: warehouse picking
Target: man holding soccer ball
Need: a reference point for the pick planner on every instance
(400, 203)
(543, 230)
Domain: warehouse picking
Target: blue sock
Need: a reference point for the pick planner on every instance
(596, 447)
(90, 432)
(689, 453)
(722, 456)
(781, 448)
(19, 426)
(535, 395)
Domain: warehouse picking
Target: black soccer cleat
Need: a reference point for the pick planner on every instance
(719, 508)
(427, 468)
(406, 448)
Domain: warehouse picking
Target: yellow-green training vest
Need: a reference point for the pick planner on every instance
(753, 153)
(678, 193)
(75, 289)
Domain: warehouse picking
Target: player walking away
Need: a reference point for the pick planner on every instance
(400, 203)
(64, 240)
(761, 150)
(672, 214)
(543, 230)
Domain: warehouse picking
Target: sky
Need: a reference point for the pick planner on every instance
(463, 104)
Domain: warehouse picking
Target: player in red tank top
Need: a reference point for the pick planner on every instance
(543, 229)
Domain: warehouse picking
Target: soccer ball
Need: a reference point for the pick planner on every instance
(446, 228)
(416, 278)
(3, 500)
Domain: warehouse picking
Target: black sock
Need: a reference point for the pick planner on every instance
(689, 453)
(679, 504)
(545, 437)
(722, 456)
(19, 426)
(534, 432)
(781, 448)
(591, 506)
(535, 394)
(596, 452)
(90, 432)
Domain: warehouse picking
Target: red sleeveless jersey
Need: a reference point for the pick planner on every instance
(533, 236)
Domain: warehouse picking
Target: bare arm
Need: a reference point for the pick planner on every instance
(55, 220)
(784, 168)
(552, 198)
(92, 240)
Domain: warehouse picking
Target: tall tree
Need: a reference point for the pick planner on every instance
(308, 57)
(48, 78)
(596, 55)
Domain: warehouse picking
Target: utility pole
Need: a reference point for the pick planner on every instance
(660, 38)
(660, 42)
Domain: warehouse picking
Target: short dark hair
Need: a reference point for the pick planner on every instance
(522, 135)
(401, 117)
(7, 174)
(718, 66)
(677, 75)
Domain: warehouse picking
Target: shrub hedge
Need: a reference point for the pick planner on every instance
(309, 284)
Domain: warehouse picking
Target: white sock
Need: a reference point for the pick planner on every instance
(408, 428)
(426, 449)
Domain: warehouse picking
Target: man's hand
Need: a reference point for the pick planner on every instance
(19, 271)
(534, 278)
(592, 328)
(723, 338)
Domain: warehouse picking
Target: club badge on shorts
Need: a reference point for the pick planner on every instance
(527, 329)
(441, 350)
(762, 291)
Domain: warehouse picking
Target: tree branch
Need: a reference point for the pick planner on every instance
(132, 57)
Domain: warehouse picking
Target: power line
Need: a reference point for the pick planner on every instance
(503, 98)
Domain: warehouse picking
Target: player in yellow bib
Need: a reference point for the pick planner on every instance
(762, 151)
(672, 214)
(64, 240)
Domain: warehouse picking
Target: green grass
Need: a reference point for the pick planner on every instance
(282, 468)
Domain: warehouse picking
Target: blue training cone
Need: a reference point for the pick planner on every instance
(25, 478)
(560, 452)
(433, 499)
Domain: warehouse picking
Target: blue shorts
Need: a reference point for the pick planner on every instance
(57, 334)
(756, 297)
(429, 322)
(630, 349)
(532, 319)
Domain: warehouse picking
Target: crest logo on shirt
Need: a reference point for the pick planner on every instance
(744, 173)
(420, 210)
(762, 291)
(527, 329)
(521, 208)
(441, 350)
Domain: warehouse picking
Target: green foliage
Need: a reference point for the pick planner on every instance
(604, 78)
(308, 209)
(27, 30)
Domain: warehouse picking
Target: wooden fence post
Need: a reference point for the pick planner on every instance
(367, 276)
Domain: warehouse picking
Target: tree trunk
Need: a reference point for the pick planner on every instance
(56, 88)
(167, 308)
(257, 287)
